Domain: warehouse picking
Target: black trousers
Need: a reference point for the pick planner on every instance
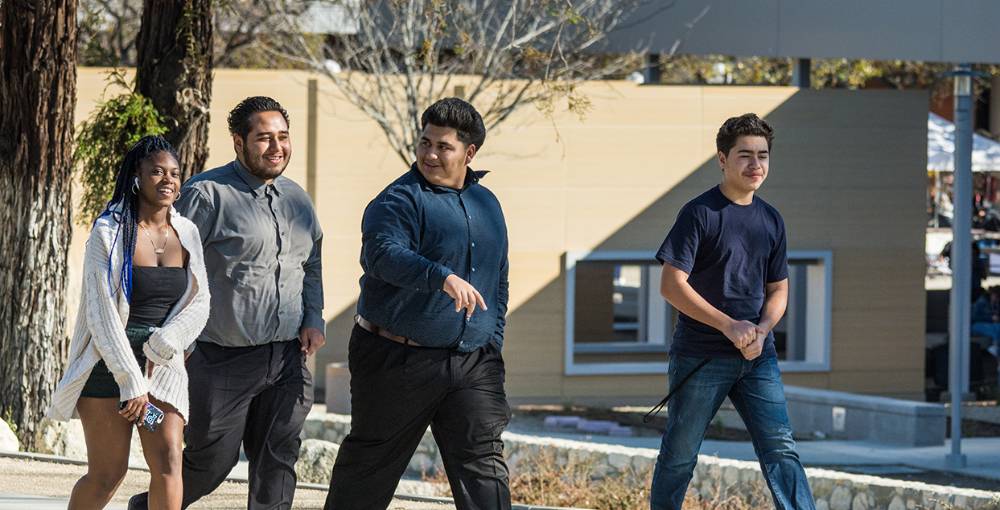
(258, 396)
(396, 392)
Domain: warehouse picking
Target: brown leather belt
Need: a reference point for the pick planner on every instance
(375, 329)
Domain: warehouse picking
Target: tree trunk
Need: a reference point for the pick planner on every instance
(174, 70)
(37, 98)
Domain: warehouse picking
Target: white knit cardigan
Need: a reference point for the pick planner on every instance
(100, 325)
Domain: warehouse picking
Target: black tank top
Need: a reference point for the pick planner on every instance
(155, 290)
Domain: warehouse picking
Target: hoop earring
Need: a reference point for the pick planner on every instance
(135, 187)
(178, 197)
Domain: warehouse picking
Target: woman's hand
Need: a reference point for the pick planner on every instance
(134, 409)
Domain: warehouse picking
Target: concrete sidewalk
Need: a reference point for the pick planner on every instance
(32, 481)
(20, 502)
(44, 482)
(983, 454)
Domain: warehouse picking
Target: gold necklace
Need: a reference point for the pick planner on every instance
(156, 250)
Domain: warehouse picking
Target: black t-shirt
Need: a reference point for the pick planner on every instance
(730, 252)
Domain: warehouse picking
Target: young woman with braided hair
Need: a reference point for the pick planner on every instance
(144, 301)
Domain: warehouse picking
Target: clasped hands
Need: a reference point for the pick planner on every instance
(747, 337)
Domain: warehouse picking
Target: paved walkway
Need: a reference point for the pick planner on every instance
(43, 482)
(44, 485)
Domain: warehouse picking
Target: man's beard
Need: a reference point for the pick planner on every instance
(260, 171)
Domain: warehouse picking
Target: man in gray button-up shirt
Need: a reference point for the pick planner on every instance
(248, 378)
(262, 247)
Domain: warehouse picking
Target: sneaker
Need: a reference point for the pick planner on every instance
(139, 502)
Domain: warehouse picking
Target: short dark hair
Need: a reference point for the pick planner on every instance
(748, 124)
(239, 118)
(459, 115)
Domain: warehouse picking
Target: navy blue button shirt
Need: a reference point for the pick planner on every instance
(731, 253)
(414, 234)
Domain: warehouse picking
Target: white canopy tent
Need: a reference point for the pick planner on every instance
(941, 148)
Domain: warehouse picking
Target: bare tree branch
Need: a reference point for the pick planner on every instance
(109, 29)
(402, 55)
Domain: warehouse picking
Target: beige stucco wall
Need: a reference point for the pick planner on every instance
(847, 172)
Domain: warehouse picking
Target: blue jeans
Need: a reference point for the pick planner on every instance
(756, 391)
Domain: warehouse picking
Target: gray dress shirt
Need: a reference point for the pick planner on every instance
(262, 246)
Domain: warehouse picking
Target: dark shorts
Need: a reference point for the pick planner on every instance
(101, 383)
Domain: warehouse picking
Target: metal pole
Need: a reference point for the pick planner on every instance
(311, 121)
(961, 258)
(995, 105)
(312, 92)
(937, 198)
(801, 73)
(652, 73)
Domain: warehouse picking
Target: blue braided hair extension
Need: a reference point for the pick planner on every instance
(123, 208)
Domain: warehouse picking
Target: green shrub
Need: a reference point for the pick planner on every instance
(103, 140)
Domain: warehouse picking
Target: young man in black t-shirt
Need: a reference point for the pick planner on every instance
(726, 271)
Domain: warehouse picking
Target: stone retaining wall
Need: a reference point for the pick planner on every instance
(712, 477)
